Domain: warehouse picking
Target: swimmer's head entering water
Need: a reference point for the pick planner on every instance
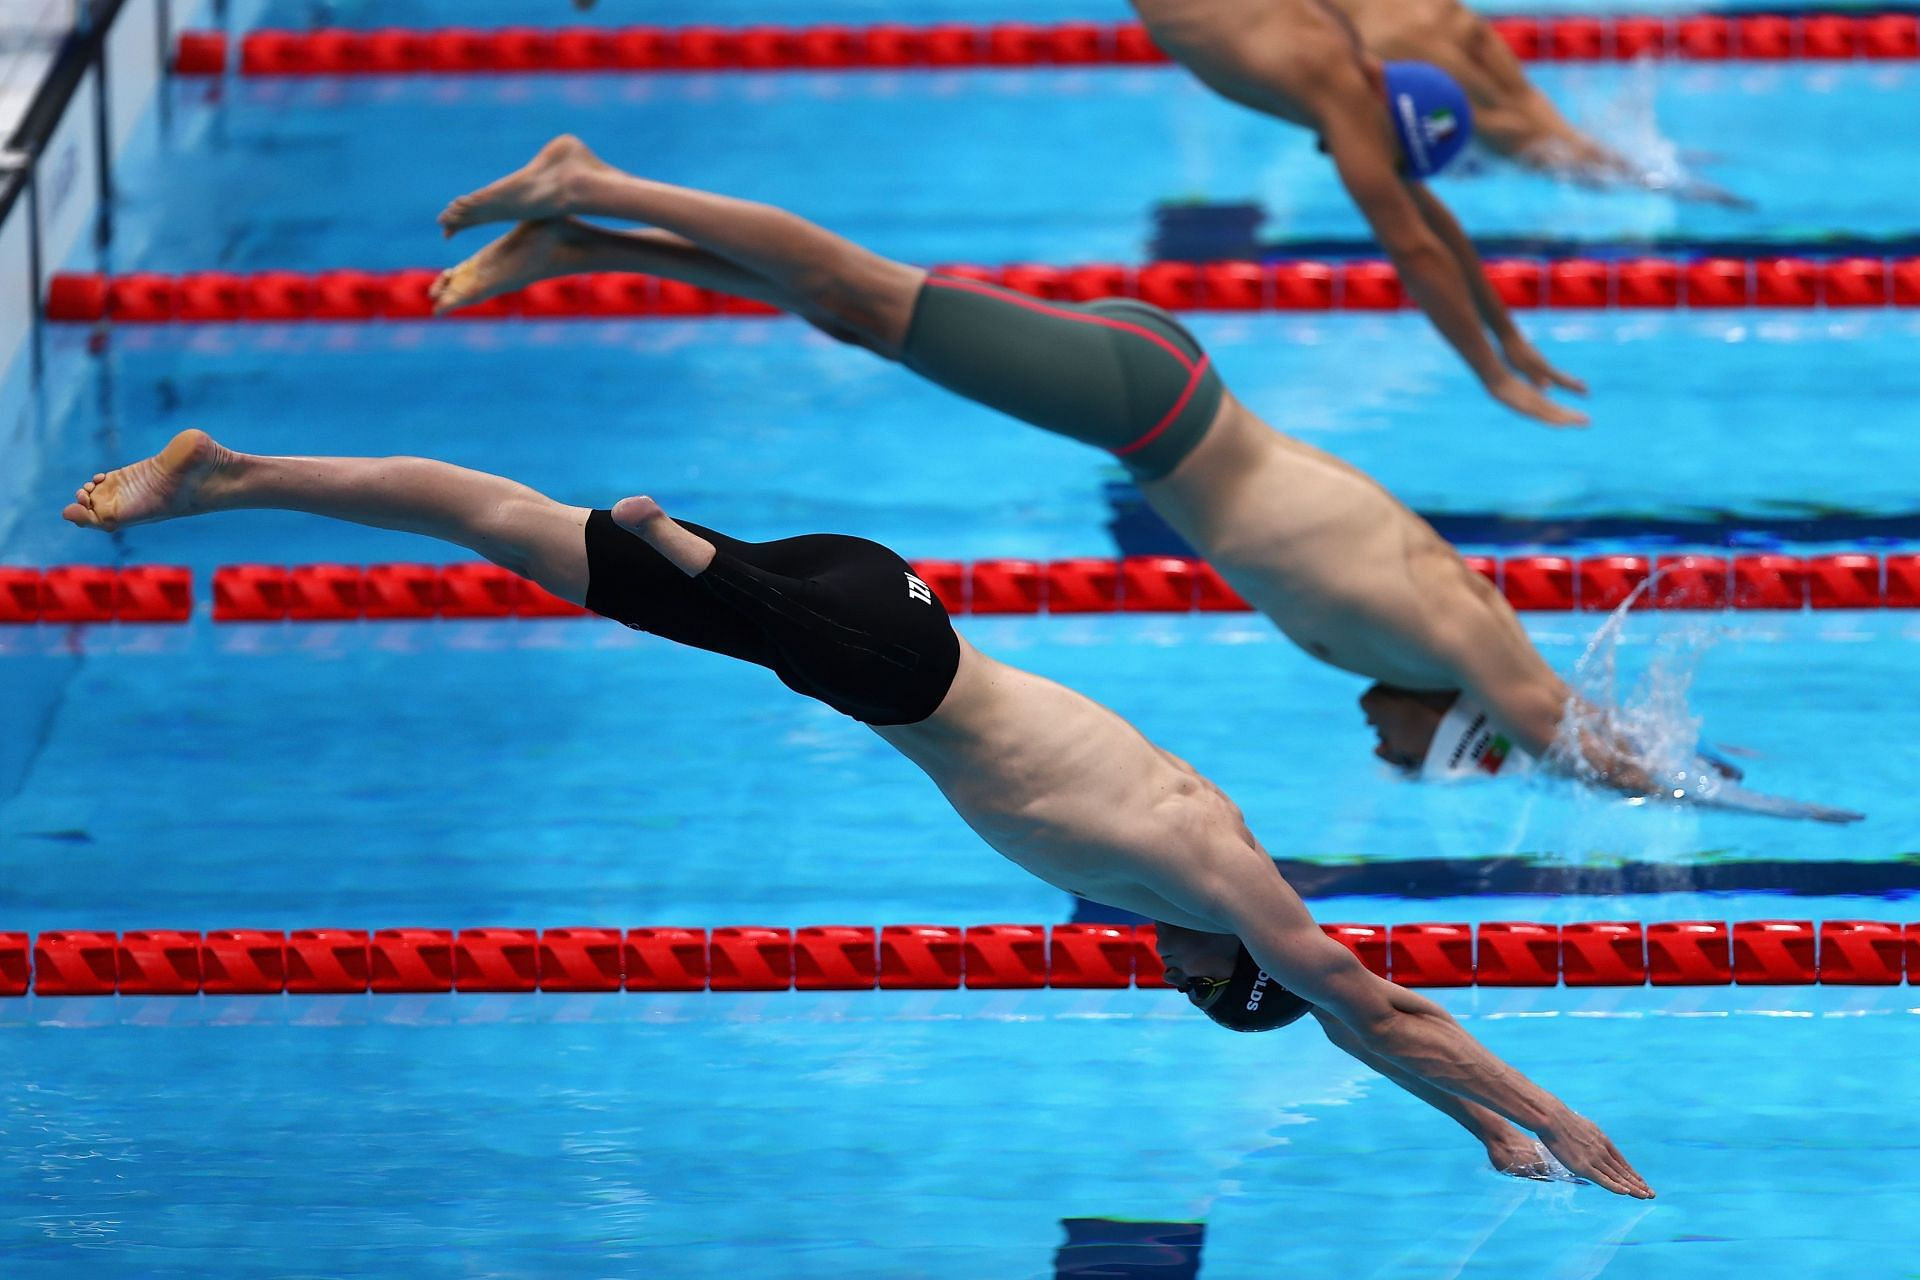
(1405, 720)
(1435, 735)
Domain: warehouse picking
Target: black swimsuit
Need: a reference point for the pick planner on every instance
(839, 619)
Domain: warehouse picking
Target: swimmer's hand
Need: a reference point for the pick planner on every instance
(1523, 397)
(1586, 1152)
(1519, 1156)
(1730, 795)
(1525, 360)
(1698, 192)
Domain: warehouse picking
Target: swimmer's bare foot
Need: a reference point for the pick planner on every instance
(541, 188)
(174, 482)
(531, 251)
(642, 517)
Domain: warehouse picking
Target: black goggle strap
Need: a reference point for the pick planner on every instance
(1203, 991)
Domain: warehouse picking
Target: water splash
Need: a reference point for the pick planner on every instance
(1629, 123)
(1652, 718)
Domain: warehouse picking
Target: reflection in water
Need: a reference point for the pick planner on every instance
(1113, 1249)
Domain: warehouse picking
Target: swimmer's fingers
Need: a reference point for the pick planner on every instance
(1589, 1153)
(1524, 398)
(1527, 361)
(1565, 381)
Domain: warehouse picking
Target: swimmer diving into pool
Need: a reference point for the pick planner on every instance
(1512, 118)
(1387, 126)
(1338, 564)
(1058, 784)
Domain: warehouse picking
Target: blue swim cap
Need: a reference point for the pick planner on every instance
(1430, 115)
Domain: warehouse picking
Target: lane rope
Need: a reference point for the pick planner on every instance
(1707, 37)
(72, 962)
(1367, 286)
(79, 594)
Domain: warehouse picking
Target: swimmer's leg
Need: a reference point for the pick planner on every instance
(505, 521)
(774, 256)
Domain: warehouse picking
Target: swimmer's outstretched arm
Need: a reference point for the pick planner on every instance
(1432, 273)
(1242, 893)
(1534, 135)
(1520, 354)
(504, 521)
(1508, 1150)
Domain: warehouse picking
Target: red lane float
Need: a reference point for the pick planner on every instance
(1689, 953)
(1092, 955)
(749, 958)
(19, 594)
(159, 962)
(1517, 954)
(921, 957)
(76, 962)
(1000, 957)
(1082, 585)
(1902, 590)
(236, 962)
(77, 593)
(16, 964)
(496, 960)
(835, 958)
(580, 959)
(1603, 953)
(94, 593)
(1775, 953)
(1577, 283)
(1431, 955)
(327, 961)
(467, 51)
(1861, 953)
(665, 959)
(928, 957)
(1845, 581)
(1539, 583)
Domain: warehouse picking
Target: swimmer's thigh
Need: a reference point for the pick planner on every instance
(1116, 373)
(631, 583)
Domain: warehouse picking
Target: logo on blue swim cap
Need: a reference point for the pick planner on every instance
(1430, 115)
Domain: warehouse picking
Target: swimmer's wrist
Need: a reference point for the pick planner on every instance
(1554, 1125)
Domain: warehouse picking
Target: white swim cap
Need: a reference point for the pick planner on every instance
(1466, 744)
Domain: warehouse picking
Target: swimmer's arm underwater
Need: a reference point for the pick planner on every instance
(1531, 708)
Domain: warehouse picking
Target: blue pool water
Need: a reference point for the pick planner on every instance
(924, 1136)
(565, 773)
(988, 166)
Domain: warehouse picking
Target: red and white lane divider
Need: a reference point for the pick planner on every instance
(153, 962)
(1645, 284)
(1132, 584)
(947, 46)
